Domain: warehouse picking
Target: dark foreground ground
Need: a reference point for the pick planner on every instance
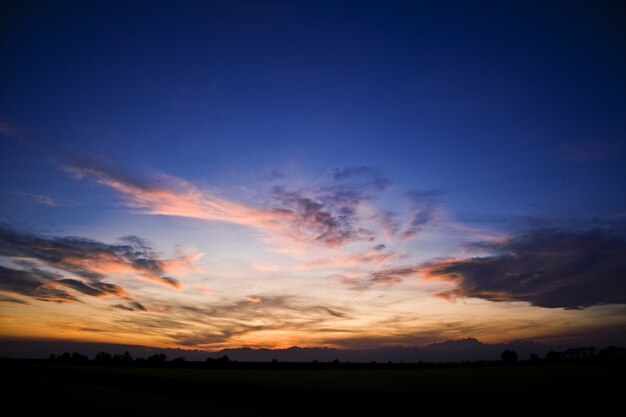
(32, 388)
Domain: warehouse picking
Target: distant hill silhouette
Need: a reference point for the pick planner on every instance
(448, 351)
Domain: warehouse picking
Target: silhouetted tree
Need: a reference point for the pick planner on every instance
(579, 353)
(613, 353)
(534, 357)
(553, 356)
(77, 357)
(157, 358)
(509, 357)
(103, 357)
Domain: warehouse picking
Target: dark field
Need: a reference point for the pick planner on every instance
(119, 391)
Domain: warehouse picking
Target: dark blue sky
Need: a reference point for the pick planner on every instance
(476, 98)
(510, 115)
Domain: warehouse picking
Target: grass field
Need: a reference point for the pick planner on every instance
(120, 391)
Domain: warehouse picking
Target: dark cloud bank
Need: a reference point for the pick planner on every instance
(545, 268)
(33, 254)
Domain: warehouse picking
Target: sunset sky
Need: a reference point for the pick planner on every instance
(354, 174)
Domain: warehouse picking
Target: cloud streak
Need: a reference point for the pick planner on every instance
(387, 277)
(422, 211)
(225, 322)
(39, 198)
(131, 306)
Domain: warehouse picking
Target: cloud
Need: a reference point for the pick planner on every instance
(39, 198)
(545, 268)
(330, 214)
(173, 197)
(364, 176)
(375, 255)
(389, 276)
(422, 210)
(8, 299)
(89, 259)
(131, 306)
(35, 283)
(226, 322)
(60, 269)
(94, 289)
(326, 215)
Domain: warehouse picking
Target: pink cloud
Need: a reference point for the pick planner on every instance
(295, 219)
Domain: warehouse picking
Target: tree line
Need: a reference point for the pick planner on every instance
(508, 357)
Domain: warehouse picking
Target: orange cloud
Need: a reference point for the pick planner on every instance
(109, 264)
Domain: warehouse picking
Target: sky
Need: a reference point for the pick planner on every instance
(222, 174)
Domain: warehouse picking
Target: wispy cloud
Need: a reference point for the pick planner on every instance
(8, 299)
(364, 176)
(422, 211)
(387, 277)
(179, 198)
(228, 323)
(367, 258)
(545, 268)
(39, 198)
